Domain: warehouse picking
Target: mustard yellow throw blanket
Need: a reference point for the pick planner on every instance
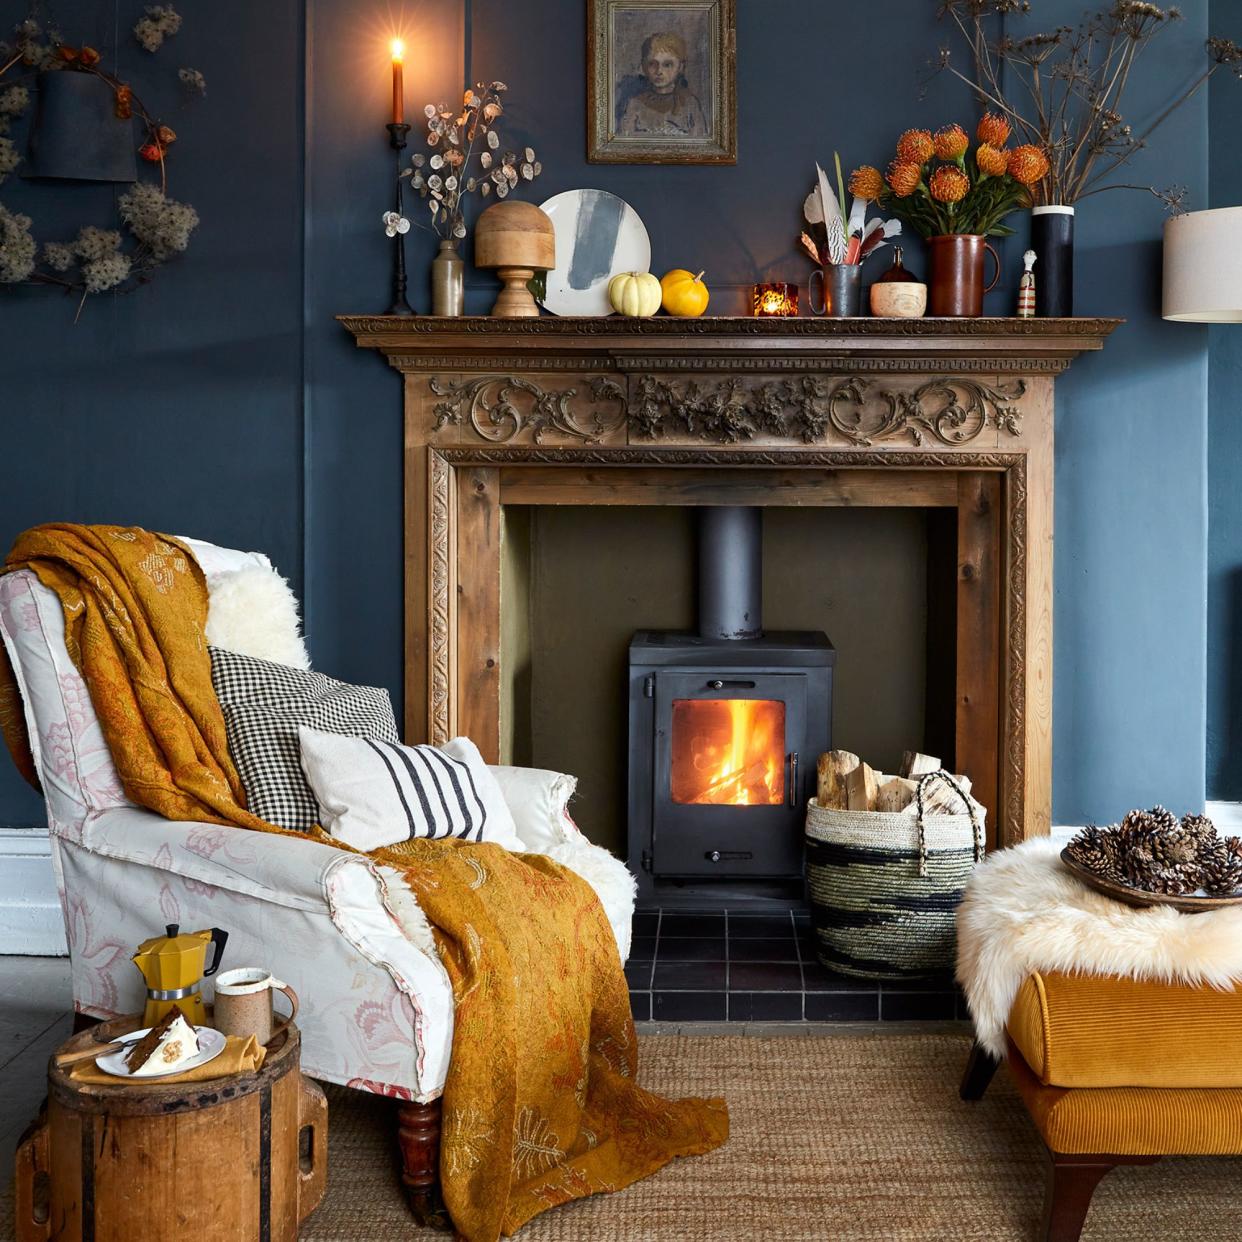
(541, 1104)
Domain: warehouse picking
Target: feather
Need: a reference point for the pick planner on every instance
(858, 217)
(879, 234)
(833, 224)
(811, 211)
(810, 247)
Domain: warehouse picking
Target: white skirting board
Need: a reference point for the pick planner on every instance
(30, 919)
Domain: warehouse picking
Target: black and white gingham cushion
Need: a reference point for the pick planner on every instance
(263, 705)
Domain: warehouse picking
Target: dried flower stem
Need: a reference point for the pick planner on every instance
(1076, 78)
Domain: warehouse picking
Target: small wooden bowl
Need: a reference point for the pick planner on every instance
(518, 239)
(1141, 898)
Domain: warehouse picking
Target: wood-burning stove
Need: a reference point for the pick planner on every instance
(725, 729)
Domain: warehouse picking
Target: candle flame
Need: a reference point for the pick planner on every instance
(398, 49)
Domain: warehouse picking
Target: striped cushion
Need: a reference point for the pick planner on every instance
(373, 792)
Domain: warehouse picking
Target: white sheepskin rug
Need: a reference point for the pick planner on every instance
(1023, 911)
(254, 612)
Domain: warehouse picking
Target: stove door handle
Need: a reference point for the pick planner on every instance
(793, 778)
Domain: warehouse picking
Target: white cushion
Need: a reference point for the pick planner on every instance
(373, 793)
(539, 802)
(213, 560)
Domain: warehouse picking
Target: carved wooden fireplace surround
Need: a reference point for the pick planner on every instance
(933, 413)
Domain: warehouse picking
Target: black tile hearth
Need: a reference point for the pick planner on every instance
(689, 976)
(716, 967)
(692, 924)
(688, 1006)
(688, 949)
(769, 949)
(765, 977)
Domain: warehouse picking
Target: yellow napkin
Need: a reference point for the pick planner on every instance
(240, 1056)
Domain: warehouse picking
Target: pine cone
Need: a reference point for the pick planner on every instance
(1158, 854)
(1221, 867)
(1202, 829)
(1098, 850)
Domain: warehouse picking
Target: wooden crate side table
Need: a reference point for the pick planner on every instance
(226, 1160)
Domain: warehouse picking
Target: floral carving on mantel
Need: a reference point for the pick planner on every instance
(951, 410)
(498, 407)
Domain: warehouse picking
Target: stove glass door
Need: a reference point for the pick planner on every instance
(728, 794)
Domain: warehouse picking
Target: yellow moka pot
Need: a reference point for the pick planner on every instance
(173, 966)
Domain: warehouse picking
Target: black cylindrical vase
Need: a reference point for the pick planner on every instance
(1052, 239)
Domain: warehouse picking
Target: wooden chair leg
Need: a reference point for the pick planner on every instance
(981, 1066)
(418, 1136)
(1071, 1182)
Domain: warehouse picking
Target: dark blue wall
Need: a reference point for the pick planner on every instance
(1224, 731)
(223, 401)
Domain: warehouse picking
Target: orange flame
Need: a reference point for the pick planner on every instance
(728, 752)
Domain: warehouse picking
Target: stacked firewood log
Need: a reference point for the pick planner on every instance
(846, 783)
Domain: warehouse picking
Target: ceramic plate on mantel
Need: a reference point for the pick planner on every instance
(597, 236)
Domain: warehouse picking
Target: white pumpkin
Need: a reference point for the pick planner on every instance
(636, 294)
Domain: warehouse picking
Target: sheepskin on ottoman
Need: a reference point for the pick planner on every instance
(1121, 1028)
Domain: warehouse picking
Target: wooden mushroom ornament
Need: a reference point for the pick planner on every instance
(518, 240)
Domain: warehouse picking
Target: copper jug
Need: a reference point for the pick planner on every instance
(957, 286)
(173, 967)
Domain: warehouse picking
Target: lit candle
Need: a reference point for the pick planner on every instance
(398, 81)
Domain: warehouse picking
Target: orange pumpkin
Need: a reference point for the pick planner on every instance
(685, 294)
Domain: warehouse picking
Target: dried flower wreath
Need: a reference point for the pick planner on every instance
(97, 259)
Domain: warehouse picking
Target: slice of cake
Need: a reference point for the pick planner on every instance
(169, 1043)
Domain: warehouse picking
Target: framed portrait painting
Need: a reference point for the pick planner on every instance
(661, 82)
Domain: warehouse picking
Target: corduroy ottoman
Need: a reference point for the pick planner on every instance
(1119, 1071)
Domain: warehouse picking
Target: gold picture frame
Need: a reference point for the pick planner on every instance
(661, 82)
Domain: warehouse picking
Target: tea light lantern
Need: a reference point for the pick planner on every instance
(774, 301)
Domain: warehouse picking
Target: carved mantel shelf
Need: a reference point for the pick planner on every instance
(936, 413)
(468, 343)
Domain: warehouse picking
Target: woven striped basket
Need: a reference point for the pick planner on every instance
(884, 888)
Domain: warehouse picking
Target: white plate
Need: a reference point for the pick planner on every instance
(597, 236)
(210, 1045)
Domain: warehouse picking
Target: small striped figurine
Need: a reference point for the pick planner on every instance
(1026, 287)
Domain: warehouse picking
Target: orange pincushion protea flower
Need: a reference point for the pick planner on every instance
(992, 161)
(904, 177)
(951, 142)
(867, 182)
(993, 129)
(949, 184)
(1028, 164)
(915, 146)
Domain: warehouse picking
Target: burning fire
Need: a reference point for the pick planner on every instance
(729, 752)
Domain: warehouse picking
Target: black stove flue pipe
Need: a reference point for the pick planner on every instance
(730, 572)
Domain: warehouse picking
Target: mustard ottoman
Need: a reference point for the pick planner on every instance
(1118, 1071)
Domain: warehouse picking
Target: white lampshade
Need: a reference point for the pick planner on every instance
(1203, 266)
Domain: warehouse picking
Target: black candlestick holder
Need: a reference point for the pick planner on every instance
(397, 134)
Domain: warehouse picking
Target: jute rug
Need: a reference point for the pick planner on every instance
(834, 1139)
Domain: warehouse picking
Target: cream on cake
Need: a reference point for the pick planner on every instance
(174, 1047)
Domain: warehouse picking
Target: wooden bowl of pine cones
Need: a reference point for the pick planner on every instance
(1152, 858)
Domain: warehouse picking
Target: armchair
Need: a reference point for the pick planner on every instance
(377, 1006)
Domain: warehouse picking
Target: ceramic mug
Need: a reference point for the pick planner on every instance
(244, 1003)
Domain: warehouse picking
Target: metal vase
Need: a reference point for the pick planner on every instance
(448, 280)
(1052, 239)
(839, 293)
